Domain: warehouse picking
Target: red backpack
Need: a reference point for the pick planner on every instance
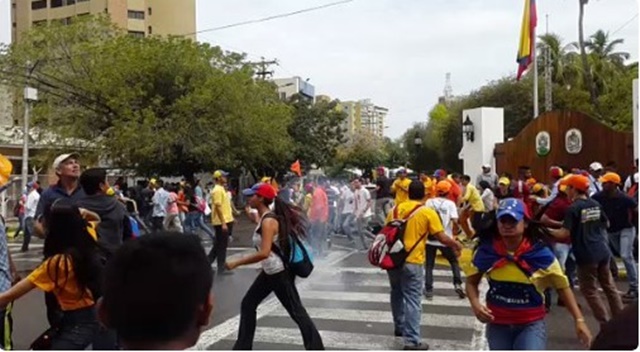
(387, 250)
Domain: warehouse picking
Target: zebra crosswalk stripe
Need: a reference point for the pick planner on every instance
(377, 316)
(380, 297)
(349, 319)
(345, 340)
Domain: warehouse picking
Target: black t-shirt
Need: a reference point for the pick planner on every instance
(617, 209)
(586, 221)
(500, 196)
(384, 187)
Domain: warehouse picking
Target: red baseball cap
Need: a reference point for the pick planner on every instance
(263, 190)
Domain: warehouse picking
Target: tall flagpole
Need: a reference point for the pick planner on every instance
(534, 56)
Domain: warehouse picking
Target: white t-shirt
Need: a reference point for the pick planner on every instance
(448, 212)
(273, 264)
(362, 197)
(488, 199)
(348, 200)
(32, 203)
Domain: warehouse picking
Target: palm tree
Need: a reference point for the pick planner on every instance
(588, 79)
(600, 45)
(565, 71)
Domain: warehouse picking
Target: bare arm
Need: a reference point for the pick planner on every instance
(560, 234)
(481, 312)
(449, 242)
(269, 230)
(547, 221)
(20, 289)
(582, 330)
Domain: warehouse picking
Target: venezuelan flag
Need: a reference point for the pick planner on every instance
(527, 37)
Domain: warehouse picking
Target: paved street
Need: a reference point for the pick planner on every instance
(347, 298)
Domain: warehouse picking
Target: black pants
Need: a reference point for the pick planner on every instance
(157, 224)
(77, 330)
(430, 264)
(29, 225)
(219, 249)
(285, 289)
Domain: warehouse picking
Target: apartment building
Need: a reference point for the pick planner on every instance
(139, 17)
(363, 115)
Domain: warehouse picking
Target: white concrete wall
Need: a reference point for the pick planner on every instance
(489, 129)
(636, 134)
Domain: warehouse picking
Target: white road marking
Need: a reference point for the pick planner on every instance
(384, 283)
(347, 340)
(220, 331)
(377, 271)
(479, 340)
(380, 298)
(376, 316)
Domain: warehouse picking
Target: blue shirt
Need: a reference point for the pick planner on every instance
(53, 193)
(5, 271)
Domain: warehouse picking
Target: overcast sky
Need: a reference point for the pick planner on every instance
(395, 52)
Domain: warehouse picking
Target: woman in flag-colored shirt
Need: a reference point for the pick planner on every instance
(519, 267)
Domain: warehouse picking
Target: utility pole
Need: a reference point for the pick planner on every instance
(264, 65)
(548, 69)
(30, 94)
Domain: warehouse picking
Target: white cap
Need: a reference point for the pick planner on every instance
(486, 166)
(62, 158)
(635, 178)
(595, 166)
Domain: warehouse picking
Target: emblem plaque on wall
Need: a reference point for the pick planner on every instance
(573, 141)
(543, 143)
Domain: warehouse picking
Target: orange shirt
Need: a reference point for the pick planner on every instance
(319, 206)
(182, 198)
(455, 192)
(59, 278)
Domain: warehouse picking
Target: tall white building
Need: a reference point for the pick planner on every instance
(288, 87)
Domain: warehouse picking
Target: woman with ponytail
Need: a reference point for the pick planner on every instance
(272, 239)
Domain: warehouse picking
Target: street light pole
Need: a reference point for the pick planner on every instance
(417, 141)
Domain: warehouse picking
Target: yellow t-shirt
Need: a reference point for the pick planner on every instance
(220, 198)
(424, 220)
(429, 188)
(472, 196)
(401, 189)
(67, 291)
(307, 202)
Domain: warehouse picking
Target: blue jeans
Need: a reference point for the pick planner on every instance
(406, 301)
(191, 222)
(532, 336)
(622, 242)
(195, 220)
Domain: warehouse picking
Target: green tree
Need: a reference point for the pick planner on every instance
(316, 131)
(167, 106)
(395, 153)
(364, 151)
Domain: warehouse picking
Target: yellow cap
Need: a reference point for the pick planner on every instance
(504, 181)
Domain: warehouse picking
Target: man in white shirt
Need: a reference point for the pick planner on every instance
(33, 197)
(362, 209)
(595, 171)
(160, 201)
(448, 213)
(346, 206)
